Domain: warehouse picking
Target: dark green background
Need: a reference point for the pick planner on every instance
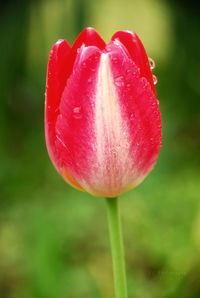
(53, 239)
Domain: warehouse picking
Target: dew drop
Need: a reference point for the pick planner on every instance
(132, 117)
(77, 113)
(84, 65)
(128, 71)
(128, 85)
(119, 81)
(89, 80)
(155, 80)
(152, 63)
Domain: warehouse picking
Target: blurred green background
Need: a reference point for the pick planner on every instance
(53, 239)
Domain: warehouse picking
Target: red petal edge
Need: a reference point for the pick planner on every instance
(137, 52)
(57, 73)
(89, 37)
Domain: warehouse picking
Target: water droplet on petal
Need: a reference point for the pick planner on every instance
(89, 80)
(128, 85)
(77, 113)
(119, 81)
(152, 63)
(155, 79)
(84, 64)
(128, 71)
(131, 117)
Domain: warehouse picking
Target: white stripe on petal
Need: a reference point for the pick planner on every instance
(112, 136)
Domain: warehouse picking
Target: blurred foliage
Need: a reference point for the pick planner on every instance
(54, 239)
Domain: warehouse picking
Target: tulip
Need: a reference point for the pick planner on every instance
(102, 118)
(102, 121)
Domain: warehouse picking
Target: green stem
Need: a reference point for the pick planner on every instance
(116, 247)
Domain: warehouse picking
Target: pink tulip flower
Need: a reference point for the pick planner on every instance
(102, 118)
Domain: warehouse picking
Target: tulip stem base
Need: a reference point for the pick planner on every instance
(117, 247)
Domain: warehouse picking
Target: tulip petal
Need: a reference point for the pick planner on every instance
(57, 74)
(74, 130)
(140, 111)
(112, 146)
(137, 51)
(89, 37)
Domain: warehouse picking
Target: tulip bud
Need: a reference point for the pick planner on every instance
(102, 119)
